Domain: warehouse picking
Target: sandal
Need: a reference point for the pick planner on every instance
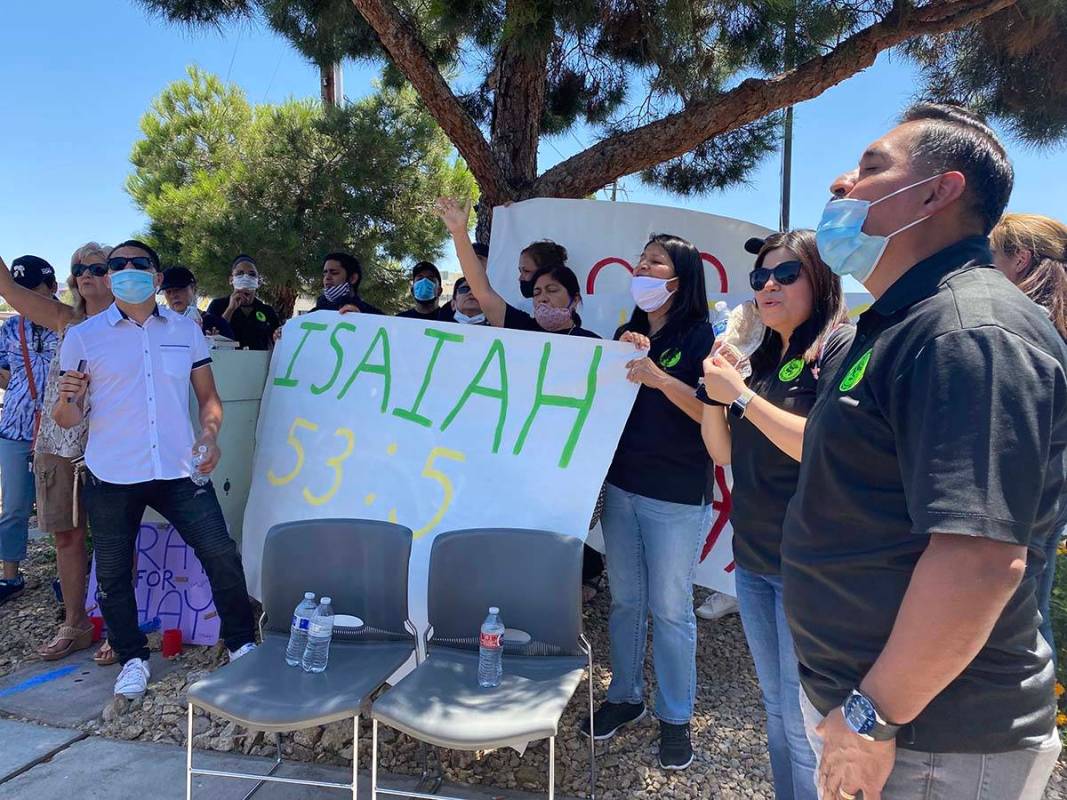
(105, 656)
(76, 639)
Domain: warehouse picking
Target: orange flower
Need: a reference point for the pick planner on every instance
(1062, 549)
(1061, 719)
(1059, 689)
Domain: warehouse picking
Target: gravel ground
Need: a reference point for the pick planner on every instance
(731, 761)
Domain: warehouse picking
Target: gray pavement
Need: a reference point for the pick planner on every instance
(23, 745)
(39, 763)
(65, 693)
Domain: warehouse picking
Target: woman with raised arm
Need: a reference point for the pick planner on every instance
(553, 286)
(57, 449)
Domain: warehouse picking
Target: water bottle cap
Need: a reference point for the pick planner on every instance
(327, 600)
(309, 595)
(494, 610)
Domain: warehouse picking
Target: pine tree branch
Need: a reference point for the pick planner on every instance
(678, 133)
(407, 51)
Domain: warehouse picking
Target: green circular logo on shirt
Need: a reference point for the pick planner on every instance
(670, 358)
(855, 373)
(261, 316)
(791, 370)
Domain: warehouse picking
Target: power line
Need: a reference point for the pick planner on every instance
(233, 57)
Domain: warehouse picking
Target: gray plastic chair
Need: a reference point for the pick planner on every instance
(535, 578)
(363, 566)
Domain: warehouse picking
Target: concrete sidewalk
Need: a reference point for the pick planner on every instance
(44, 763)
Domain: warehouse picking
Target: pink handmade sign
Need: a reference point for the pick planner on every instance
(170, 585)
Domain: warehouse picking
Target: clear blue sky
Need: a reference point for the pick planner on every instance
(76, 77)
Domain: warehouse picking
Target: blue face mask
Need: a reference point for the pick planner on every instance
(843, 245)
(133, 285)
(424, 290)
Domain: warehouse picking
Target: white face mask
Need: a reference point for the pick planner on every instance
(463, 319)
(245, 282)
(650, 294)
(193, 313)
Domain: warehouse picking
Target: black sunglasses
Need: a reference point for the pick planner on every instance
(96, 270)
(784, 274)
(116, 263)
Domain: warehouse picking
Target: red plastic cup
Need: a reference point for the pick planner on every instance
(172, 642)
(98, 628)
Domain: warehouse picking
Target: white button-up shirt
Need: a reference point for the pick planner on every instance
(138, 397)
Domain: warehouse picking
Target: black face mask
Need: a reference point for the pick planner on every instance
(526, 287)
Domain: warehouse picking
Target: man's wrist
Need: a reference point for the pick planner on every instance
(866, 718)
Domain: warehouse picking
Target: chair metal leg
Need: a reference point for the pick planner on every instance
(355, 754)
(189, 754)
(374, 759)
(551, 768)
(592, 740)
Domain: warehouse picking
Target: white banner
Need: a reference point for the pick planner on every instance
(604, 241)
(436, 426)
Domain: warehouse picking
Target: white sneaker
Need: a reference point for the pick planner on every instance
(133, 680)
(243, 650)
(717, 605)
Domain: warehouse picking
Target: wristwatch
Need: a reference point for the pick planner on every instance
(863, 718)
(739, 406)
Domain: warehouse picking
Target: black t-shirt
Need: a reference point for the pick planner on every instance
(439, 314)
(948, 416)
(253, 325)
(517, 320)
(765, 477)
(323, 303)
(661, 454)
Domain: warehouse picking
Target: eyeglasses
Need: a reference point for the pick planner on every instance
(464, 289)
(117, 263)
(96, 270)
(784, 274)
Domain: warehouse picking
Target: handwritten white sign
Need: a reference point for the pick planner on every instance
(436, 426)
(170, 585)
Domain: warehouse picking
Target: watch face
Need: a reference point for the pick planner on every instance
(860, 714)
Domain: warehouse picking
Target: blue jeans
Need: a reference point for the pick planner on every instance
(769, 639)
(16, 488)
(652, 548)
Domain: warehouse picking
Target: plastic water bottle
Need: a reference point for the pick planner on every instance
(298, 631)
(199, 456)
(720, 316)
(491, 650)
(320, 631)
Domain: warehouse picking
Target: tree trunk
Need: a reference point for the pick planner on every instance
(506, 169)
(283, 300)
(401, 41)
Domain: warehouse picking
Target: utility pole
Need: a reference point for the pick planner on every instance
(787, 132)
(331, 86)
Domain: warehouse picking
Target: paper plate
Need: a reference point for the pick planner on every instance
(514, 636)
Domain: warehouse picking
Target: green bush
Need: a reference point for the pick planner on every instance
(1059, 636)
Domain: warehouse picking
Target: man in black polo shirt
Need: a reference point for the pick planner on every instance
(932, 468)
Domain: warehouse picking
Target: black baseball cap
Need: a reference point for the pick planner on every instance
(481, 249)
(31, 271)
(426, 266)
(754, 245)
(177, 278)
